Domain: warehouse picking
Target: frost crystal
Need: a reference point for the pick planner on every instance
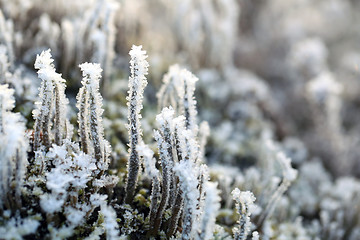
(170, 89)
(211, 208)
(110, 223)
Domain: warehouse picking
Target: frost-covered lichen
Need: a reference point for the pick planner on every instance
(13, 151)
(90, 115)
(137, 83)
(276, 86)
(244, 206)
(51, 95)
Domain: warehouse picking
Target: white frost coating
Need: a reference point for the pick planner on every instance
(16, 228)
(170, 89)
(58, 181)
(185, 140)
(63, 232)
(187, 174)
(95, 235)
(255, 235)
(164, 136)
(43, 107)
(203, 177)
(323, 87)
(192, 146)
(75, 216)
(204, 133)
(137, 83)
(110, 223)
(309, 55)
(98, 199)
(13, 149)
(289, 173)
(139, 65)
(4, 64)
(91, 73)
(211, 208)
(7, 103)
(244, 202)
(153, 173)
(52, 94)
(188, 107)
(244, 197)
(90, 115)
(44, 60)
(167, 165)
(178, 91)
(51, 203)
(71, 173)
(180, 141)
(149, 160)
(165, 118)
(7, 95)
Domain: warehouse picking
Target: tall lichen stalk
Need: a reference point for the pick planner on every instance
(244, 202)
(52, 95)
(82, 100)
(13, 152)
(163, 137)
(137, 83)
(90, 116)
(153, 173)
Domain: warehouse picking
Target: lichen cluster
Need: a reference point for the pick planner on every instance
(228, 119)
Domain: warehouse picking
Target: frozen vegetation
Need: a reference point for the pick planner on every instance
(180, 119)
